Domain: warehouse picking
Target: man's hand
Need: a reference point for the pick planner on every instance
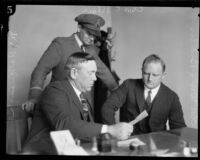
(29, 105)
(121, 130)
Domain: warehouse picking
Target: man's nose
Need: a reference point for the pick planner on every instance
(94, 78)
(92, 38)
(150, 77)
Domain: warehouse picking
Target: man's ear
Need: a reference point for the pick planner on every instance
(73, 73)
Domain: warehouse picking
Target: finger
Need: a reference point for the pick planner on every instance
(23, 106)
(27, 107)
(130, 130)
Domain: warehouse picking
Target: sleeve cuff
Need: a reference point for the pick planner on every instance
(104, 129)
(36, 88)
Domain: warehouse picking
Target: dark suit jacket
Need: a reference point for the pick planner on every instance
(58, 109)
(129, 97)
(55, 58)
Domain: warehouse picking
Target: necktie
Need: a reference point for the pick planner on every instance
(83, 48)
(145, 123)
(85, 107)
(148, 101)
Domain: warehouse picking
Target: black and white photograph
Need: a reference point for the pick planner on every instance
(102, 80)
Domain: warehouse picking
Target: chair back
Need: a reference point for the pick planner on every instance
(17, 129)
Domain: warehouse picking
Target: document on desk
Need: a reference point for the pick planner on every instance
(126, 143)
(65, 143)
(140, 117)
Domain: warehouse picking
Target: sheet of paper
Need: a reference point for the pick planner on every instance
(126, 143)
(170, 154)
(140, 117)
(159, 152)
(65, 143)
(62, 136)
(73, 150)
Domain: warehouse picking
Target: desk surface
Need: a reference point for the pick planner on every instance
(171, 140)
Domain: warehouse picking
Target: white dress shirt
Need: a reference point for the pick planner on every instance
(153, 92)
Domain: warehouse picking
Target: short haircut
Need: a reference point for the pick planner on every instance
(76, 58)
(154, 58)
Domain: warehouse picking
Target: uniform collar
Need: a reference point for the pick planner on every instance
(80, 43)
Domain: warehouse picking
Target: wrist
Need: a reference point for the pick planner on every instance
(111, 130)
(104, 129)
(34, 94)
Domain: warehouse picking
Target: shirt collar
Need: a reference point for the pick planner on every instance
(80, 43)
(77, 91)
(154, 91)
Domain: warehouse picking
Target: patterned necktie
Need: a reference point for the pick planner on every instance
(85, 107)
(148, 100)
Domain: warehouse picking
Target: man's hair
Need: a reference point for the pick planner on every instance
(76, 58)
(153, 58)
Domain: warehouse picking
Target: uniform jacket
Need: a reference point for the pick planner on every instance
(129, 97)
(55, 58)
(59, 109)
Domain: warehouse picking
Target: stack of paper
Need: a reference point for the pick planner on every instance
(65, 144)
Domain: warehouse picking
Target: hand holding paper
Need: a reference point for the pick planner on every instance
(140, 117)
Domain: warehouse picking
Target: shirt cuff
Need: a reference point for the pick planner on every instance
(36, 88)
(104, 129)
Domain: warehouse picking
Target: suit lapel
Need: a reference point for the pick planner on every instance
(76, 100)
(158, 99)
(141, 104)
(140, 96)
(74, 97)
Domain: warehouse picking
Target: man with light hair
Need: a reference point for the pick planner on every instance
(150, 94)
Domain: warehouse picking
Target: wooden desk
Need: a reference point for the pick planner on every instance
(171, 140)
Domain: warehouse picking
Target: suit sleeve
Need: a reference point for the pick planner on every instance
(176, 119)
(57, 107)
(49, 59)
(115, 101)
(103, 72)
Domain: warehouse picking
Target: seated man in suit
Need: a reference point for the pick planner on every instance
(63, 107)
(148, 93)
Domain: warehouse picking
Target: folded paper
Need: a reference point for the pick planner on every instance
(140, 117)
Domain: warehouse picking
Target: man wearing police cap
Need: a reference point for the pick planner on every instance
(60, 49)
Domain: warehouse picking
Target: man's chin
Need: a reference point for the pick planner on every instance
(88, 89)
(150, 86)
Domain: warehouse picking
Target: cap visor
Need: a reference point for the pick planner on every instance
(93, 32)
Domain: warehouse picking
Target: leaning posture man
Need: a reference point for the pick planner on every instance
(54, 58)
